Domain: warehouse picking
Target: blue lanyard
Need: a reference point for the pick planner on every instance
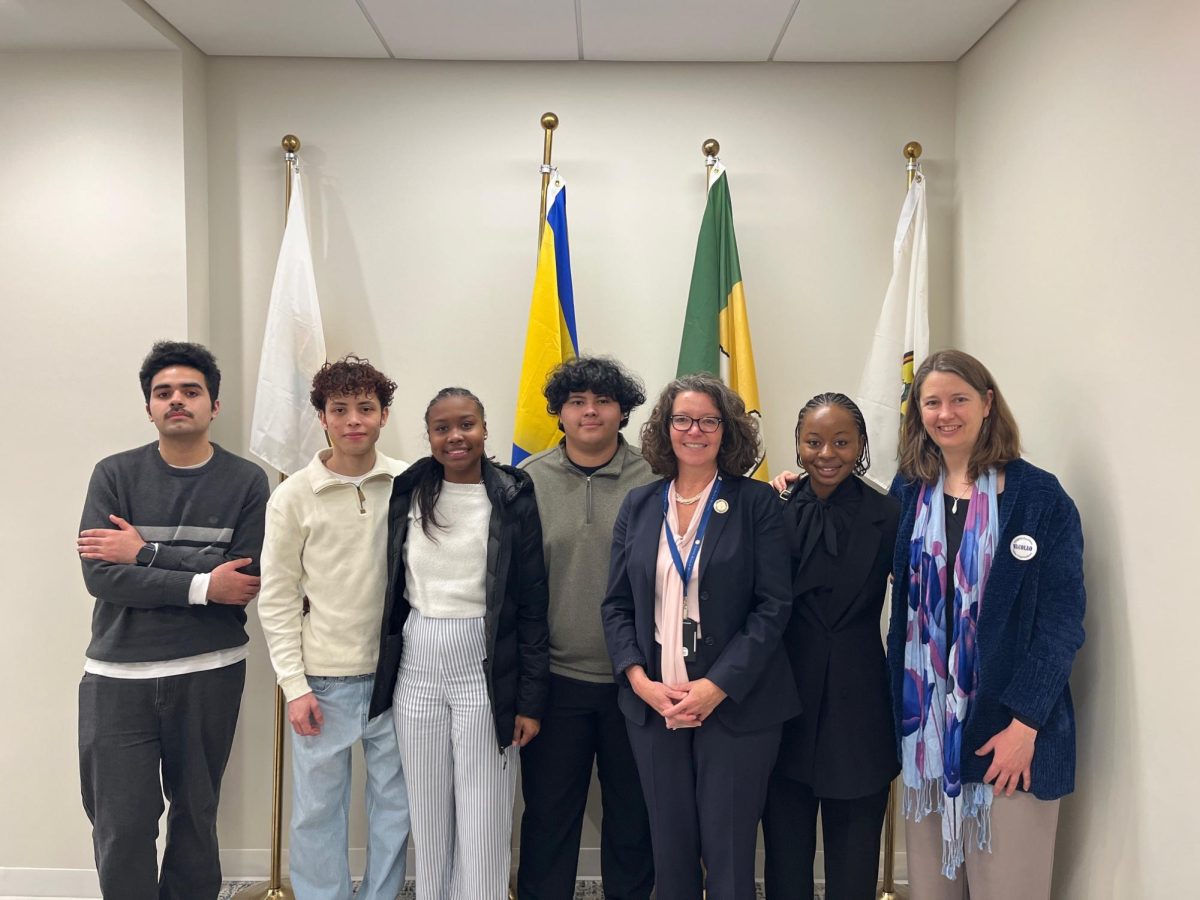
(685, 572)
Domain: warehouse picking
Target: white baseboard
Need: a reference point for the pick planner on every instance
(253, 865)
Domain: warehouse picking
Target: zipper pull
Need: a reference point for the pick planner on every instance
(362, 498)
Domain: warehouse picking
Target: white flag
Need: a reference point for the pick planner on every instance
(901, 337)
(285, 432)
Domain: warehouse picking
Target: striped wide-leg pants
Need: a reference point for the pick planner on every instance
(460, 785)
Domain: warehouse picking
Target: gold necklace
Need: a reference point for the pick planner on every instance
(687, 501)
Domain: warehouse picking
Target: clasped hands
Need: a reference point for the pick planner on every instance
(684, 705)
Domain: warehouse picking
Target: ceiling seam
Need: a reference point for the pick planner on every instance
(786, 25)
(375, 28)
(579, 29)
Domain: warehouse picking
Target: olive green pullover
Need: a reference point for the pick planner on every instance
(577, 513)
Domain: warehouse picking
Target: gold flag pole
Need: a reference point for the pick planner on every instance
(276, 888)
(710, 149)
(549, 123)
(889, 891)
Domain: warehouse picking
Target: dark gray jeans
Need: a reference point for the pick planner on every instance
(130, 730)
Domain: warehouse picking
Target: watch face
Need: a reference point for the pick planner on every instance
(145, 555)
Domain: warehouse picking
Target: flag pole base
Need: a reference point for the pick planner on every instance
(264, 891)
(894, 894)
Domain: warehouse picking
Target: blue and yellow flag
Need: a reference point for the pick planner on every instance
(551, 338)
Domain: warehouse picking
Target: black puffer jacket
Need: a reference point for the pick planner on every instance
(517, 636)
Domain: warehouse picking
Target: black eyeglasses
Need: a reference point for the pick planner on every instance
(707, 424)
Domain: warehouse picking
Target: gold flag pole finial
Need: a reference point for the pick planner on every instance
(275, 887)
(710, 148)
(912, 153)
(549, 122)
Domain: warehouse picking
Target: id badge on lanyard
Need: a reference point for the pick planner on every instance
(691, 628)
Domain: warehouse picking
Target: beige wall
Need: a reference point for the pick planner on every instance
(1076, 281)
(92, 270)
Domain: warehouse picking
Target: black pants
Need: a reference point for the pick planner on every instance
(850, 829)
(130, 730)
(582, 723)
(704, 788)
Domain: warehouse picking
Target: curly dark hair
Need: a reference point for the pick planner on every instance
(602, 375)
(833, 398)
(740, 442)
(165, 354)
(350, 376)
(429, 488)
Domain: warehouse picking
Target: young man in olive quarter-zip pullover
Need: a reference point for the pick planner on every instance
(579, 486)
(324, 575)
(169, 540)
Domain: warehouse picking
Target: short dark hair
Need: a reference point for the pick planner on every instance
(999, 440)
(165, 354)
(833, 398)
(740, 441)
(350, 376)
(602, 375)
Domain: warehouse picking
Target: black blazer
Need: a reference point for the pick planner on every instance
(843, 746)
(517, 638)
(744, 598)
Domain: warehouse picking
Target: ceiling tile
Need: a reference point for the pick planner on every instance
(887, 30)
(329, 28)
(682, 30)
(76, 25)
(477, 29)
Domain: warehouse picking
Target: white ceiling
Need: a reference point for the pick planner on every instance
(626, 30)
(76, 25)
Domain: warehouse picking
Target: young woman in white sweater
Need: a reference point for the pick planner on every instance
(464, 648)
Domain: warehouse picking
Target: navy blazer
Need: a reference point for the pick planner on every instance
(745, 600)
(1030, 626)
(843, 746)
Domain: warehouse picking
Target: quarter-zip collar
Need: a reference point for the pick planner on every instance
(611, 469)
(321, 478)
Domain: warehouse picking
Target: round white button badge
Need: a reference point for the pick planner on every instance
(1023, 547)
(721, 506)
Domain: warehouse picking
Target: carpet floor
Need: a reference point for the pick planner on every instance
(585, 890)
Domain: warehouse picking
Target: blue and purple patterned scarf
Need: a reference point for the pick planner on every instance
(939, 687)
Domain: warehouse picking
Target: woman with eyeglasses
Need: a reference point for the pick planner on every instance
(698, 597)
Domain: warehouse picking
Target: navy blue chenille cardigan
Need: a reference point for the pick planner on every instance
(1029, 629)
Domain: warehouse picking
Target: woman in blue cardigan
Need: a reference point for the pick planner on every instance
(987, 615)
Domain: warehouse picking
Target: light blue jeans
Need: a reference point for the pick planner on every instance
(319, 866)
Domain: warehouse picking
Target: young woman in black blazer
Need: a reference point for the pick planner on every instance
(839, 755)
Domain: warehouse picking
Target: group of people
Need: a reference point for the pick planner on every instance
(708, 642)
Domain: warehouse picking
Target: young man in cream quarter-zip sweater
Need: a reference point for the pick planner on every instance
(321, 603)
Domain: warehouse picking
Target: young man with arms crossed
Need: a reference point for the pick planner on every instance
(324, 577)
(169, 540)
(579, 486)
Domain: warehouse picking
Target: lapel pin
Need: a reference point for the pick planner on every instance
(721, 506)
(1023, 547)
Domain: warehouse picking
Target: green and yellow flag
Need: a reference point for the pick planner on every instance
(716, 328)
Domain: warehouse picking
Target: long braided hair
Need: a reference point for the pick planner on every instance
(833, 398)
(429, 488)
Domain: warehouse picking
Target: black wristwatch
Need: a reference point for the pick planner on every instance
(145, 556)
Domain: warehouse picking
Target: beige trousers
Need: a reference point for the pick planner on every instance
(1021, 864)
